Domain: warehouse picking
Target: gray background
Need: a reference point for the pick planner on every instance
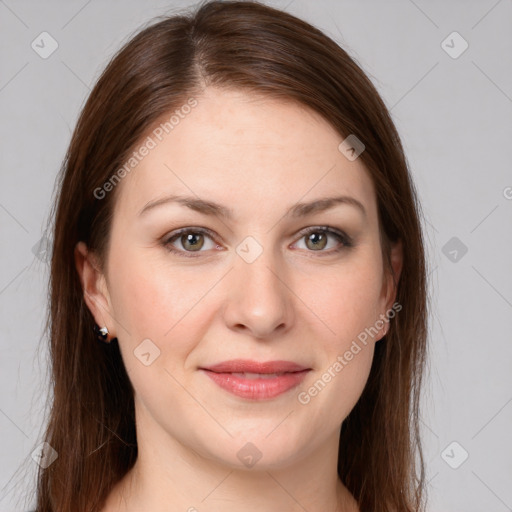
(455, 119)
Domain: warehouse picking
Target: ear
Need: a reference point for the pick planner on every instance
(390, 281)
(94, 286)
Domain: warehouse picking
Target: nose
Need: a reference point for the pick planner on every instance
(260, 301)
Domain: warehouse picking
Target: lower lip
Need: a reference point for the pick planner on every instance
(257, 389)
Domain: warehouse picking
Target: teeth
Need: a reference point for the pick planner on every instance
(258, 375)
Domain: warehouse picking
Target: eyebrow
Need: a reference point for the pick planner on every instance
(217, 210)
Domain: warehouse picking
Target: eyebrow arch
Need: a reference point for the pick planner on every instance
(211, 208)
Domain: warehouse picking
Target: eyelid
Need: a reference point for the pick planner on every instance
(324, 229)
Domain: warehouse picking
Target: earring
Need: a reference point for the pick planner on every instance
(101, 334)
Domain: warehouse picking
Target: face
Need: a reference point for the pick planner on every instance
(259, 278)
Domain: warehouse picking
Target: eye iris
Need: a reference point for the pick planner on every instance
(322, 237)
(192, 239)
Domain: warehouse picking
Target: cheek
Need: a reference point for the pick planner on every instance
(349, 299)
(162, 304)
(152, 300)
(348, 305)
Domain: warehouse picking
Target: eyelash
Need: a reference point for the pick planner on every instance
(343, 238)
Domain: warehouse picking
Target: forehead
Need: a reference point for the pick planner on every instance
(245, 151)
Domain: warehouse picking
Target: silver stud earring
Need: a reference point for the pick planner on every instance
(101, 334)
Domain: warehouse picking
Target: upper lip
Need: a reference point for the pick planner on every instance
(248, 366)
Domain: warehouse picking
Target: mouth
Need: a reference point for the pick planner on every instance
(256, 381)
(251, 376)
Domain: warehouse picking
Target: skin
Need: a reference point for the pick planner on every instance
(295, 302)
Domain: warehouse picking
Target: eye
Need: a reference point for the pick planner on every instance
(191, 240)
(316, 239)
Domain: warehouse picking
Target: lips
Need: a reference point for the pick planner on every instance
(256, 381)
(247, 366)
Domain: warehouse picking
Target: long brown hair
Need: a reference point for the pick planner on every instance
(250, 46)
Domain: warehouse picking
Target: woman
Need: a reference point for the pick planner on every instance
(238, 285)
